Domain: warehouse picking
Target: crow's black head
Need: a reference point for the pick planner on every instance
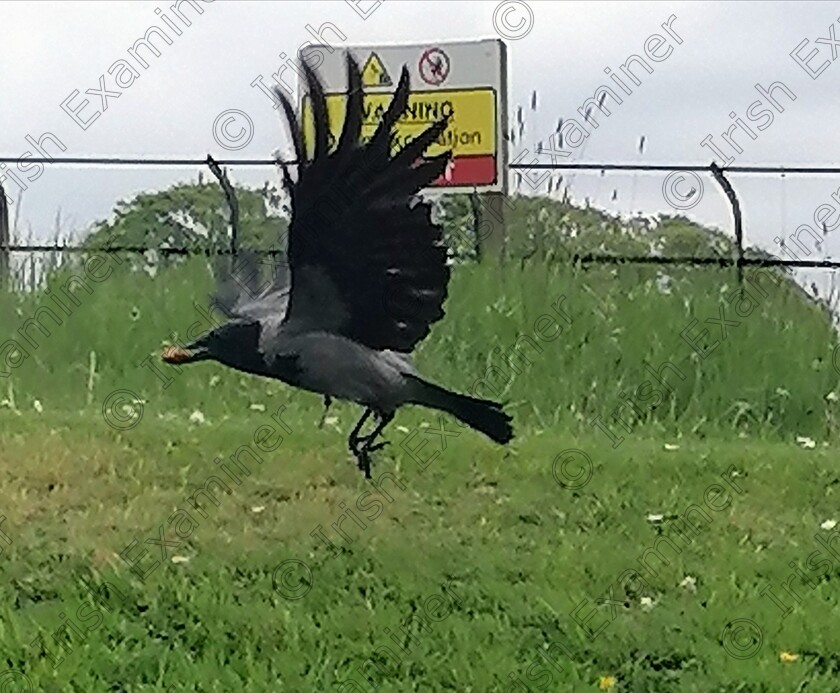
(234, 344)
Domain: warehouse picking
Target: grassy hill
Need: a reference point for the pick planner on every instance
(279, 586)
(99, 327)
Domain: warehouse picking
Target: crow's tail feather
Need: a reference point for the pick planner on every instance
(481, 414)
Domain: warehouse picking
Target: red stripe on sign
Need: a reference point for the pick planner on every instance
(469, 170)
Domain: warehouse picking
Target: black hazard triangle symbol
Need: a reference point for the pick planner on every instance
(374, 73)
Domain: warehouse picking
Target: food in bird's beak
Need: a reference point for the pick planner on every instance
(176, 354)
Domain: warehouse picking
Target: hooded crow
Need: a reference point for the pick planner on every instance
(241, 290)
(368, 275)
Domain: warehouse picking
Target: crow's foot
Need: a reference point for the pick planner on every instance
(362, 446)
(363, 462)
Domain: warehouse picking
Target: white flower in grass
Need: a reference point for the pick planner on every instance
(215, 380)
(257, 508)
(828, 524)
(689, 582)
(331, 421)
(671, 446)
(402, 429)
(197, 417)
(782, 392)
(647, 603)
(663, 284)
(832, 397)
(38, 406)
(180, 559)
(257, 407)
(655, 517)
(806, 443)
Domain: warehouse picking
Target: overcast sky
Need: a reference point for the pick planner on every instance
(716, 55)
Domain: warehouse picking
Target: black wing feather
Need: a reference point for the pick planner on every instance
(294, 130)
(319, 112)
(353, 119)
(366, 259)
(380, 143)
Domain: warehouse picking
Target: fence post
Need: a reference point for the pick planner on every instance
(5, 241)
(233, 206)
(234, 224)
(496, 203)
(476, 213)
(736, 214)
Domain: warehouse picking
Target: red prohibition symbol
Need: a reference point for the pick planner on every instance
(434, 66)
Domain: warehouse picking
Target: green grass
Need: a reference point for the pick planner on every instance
(519, 552)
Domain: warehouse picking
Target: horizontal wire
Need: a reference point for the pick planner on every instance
(589, 258)
(130, 249)
(122, 161)
(582, 259)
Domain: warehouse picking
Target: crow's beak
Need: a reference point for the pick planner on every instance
(179, 355)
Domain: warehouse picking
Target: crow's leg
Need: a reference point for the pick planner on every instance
(363, 460)
(363, 454)
(368, 439)
(354, 440)
(327, 403)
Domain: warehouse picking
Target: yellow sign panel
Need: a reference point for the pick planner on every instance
(472, 124)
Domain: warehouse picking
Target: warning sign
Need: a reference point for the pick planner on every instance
(434, 66)
(471, 133)
(374, 73)
(466, 80)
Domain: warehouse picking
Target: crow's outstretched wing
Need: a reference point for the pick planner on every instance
(243, 288)
(366, 260)
(246, 290)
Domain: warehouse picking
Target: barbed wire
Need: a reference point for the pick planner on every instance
(574, 258)
(738, 261)
(591, 166)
